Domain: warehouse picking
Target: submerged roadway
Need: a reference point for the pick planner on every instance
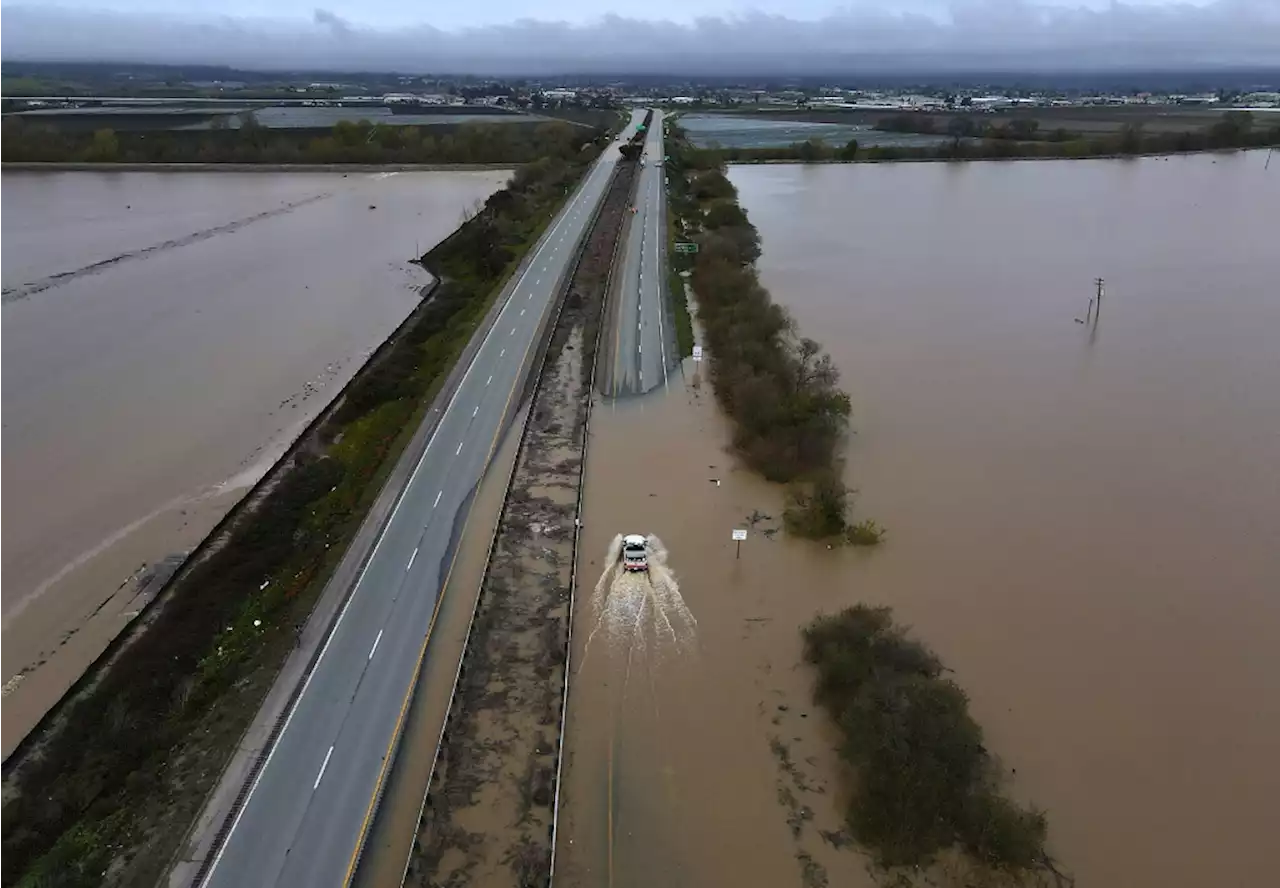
(643, 348)
(306, 815)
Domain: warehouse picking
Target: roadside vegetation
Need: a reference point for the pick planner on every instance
(345, 142)
(677, 263)
(779, 388)
(970, 137)
(923, 782)
(105, 788)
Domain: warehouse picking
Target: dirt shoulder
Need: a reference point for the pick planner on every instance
(489, 812)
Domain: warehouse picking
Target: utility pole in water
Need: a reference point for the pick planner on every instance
(1098, 311)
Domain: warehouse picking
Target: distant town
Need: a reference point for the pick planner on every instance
(44, 87)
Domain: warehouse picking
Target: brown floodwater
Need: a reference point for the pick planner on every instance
(165, 337)
(1083, 522)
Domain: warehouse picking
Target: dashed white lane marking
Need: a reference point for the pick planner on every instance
(409, 565)
(489, 380)
(316, 785)
(502, 354)
(459, 450)
(341, 615)
(522, 311)
(375, 644)
(530, 295)
(513, 332)
(437, 502)
(474, 412)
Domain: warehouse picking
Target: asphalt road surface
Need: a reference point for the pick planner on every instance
(307, 813)
(643, 348)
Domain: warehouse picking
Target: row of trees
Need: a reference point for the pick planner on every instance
(779, 388)
(345, 142)
(1235, 129)
(973, 139)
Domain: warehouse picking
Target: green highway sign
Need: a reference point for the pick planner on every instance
(686, 248)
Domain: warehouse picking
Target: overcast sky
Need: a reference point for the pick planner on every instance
(657, 36)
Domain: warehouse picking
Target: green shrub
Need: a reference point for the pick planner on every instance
(923, 780)
(865, 533)
(817, 508)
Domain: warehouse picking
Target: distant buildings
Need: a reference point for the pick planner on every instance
(560, 95)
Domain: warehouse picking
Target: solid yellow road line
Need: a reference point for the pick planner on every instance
(417, 669)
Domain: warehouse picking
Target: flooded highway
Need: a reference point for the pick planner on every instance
(1081, 522)
(166, 336)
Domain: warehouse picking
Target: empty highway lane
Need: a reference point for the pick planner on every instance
(643, 348)
(307, 812)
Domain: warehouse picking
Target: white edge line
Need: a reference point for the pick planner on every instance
(316, 785)
(244, 806)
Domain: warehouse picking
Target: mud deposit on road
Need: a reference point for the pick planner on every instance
(488, 814)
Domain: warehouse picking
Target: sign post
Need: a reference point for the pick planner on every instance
(738, 537)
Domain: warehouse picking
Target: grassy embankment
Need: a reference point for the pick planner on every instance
(345, 142)
(678, 205)
(126, 765)
(779, 388)
(974, 137)
(924, 785)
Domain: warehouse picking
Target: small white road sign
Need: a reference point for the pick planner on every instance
(697, 353)
(739, 535)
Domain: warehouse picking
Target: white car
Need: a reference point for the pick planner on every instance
(635, 553)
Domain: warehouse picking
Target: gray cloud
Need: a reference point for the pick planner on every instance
(970, 35)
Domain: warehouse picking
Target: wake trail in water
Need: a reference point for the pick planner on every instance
(641, 615)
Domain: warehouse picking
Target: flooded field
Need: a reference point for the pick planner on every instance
(166, 336)
(1082, 523)
(725, 131)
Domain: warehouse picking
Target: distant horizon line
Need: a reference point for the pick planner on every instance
(940, 70)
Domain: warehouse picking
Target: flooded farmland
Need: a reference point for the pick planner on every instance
(1082, 523)
(727, 131)
(165, 337)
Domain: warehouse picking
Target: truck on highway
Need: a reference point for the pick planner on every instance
(635, 553)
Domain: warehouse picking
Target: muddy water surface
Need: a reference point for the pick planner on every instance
(692, 754)
(165, 337)
(1082, 522)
